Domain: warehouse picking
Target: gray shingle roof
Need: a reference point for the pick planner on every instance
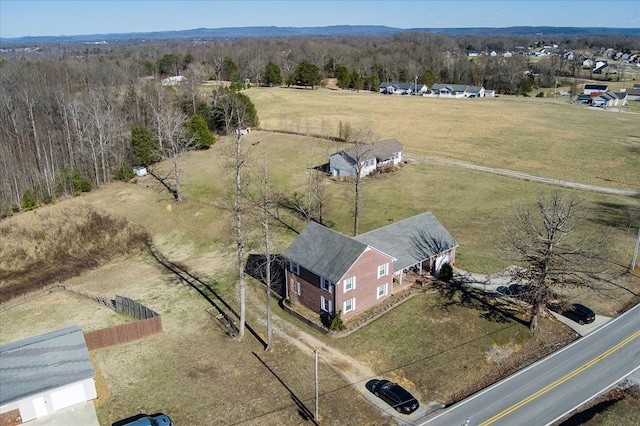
(42, 363)
(411, 240)
(324, 252)
(382, 150)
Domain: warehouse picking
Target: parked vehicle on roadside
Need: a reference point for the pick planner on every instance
(145, 420)
(396, 396)
(503, 289)
(516, 289)
(576, 312)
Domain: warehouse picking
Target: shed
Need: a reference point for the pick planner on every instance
(47, 373)
(140, 171)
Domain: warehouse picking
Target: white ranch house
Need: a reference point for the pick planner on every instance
(394, 88)
(441, 90)
(371, 156)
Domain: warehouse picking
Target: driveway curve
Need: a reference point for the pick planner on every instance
(532, 178)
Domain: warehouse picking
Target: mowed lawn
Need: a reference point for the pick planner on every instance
(538, 136)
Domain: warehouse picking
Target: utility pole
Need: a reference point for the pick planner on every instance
(315, 369)
(635, 253)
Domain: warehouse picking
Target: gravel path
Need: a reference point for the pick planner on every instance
(532, 178)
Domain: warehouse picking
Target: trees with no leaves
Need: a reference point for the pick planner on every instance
(555, 245)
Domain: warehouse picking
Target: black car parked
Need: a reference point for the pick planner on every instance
(396, 396)
(576, 312)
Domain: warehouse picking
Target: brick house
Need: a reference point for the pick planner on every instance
(327, 271)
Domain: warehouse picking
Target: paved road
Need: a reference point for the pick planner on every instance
(549, 389)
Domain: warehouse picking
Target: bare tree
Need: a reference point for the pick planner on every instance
(360, 154)
(171, 134)
(554, 246)
(266, 206)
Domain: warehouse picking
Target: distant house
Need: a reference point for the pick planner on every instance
(327, 271)
(173, 81)
(43, 374)
(366, 157)
(394, 88)
(601, 67)
(595, 88)
(609, 99)
(633, 94)
(457, 91)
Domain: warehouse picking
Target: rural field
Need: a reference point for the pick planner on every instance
(198, 375)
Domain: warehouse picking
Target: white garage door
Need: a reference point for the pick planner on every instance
(39, 407)
(68, 396)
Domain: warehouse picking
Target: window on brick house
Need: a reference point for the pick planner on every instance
(349, 284)
(382, 291)
(326, 284)
(325, 304)
(382, 270)
(350, 305)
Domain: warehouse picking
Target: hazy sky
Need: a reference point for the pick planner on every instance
(78, 17)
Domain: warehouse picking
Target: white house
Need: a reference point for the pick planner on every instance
(457, 91)
(394, 88)
(44, 374)
(370, 156)
(173, 81)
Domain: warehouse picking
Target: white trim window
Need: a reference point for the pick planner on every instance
(325, 304)
(297, 284)
(349, 305)
(326, 284)
(350, 284)
(294, 267)
(382, 290)
(383, 270)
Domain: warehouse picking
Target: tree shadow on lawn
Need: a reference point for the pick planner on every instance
(491, 306)
(304, 412)
(204, 289)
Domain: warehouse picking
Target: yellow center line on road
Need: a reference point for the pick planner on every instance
(561, 380)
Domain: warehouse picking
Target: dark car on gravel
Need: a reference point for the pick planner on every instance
(576, 312)
(396, 396)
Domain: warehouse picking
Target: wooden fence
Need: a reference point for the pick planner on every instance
(123, 333)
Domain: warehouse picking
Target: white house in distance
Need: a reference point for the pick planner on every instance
(174, 80)
(44, 374)
(371, 157)
(442, 90)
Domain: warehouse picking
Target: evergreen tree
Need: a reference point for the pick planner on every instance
(306, 74)
(344, 79)
(199, 132)
(272, 75)
(145, 149)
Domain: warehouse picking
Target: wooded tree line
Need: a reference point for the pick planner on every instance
(69, 126)
(67, 112)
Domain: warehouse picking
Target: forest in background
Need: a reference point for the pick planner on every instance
(73, 116)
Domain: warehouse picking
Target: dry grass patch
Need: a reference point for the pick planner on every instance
(554, 140)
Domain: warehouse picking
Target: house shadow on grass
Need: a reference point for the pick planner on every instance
(490, 306)
(256, 267)
(225, 311)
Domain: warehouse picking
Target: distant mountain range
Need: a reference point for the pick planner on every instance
(336, 30)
